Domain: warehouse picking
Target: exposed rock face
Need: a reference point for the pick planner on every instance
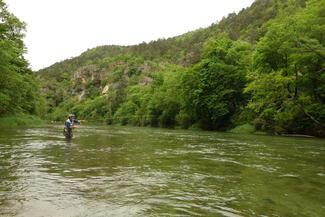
(82, 77)
(105, 90)
(87, 80)
(91, 72)
(82, 95)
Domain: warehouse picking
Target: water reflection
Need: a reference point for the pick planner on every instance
(125, 171)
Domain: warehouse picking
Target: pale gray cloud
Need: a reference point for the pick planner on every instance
(59, 29)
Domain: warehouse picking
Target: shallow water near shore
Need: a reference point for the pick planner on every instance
(129, 171)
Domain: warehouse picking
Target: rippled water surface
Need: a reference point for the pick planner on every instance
(122, 171)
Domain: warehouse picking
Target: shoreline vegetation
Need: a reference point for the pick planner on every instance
(245, 129)
(20, 120)
(26, 120)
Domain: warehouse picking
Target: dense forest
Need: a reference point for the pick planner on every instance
(263, 68)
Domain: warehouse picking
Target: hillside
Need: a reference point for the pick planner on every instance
(213, 78)
(247, 25)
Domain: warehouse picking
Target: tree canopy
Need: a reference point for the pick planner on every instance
(18, 89)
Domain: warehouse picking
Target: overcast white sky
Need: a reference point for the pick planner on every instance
(60, 29)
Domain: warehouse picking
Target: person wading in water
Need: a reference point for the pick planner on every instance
(69, 125)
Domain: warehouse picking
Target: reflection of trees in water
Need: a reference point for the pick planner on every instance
(81, 157)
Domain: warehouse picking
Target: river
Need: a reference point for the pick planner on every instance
(129, 171)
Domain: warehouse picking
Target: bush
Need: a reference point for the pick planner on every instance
(245, 128)
(126, 113)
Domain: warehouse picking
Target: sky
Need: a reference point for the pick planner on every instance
(61, 29)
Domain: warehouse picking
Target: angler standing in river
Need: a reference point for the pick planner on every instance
(69, 125)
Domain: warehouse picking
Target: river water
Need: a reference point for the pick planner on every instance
(126, 171)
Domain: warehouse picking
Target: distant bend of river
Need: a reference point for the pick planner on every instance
(128, 171)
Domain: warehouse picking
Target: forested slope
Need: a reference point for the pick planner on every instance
(263, 66)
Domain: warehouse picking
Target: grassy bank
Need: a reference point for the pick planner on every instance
(20, 120)
(245, 129)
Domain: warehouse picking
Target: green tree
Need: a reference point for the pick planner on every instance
(134, 109)
(287, 85)
(18, 89)
(221, 78)
(165, 102)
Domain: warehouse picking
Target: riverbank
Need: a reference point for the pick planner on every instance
(21, 120)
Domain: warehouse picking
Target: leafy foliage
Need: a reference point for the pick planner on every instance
(288, 83)
(18, 88)
(219, 90)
